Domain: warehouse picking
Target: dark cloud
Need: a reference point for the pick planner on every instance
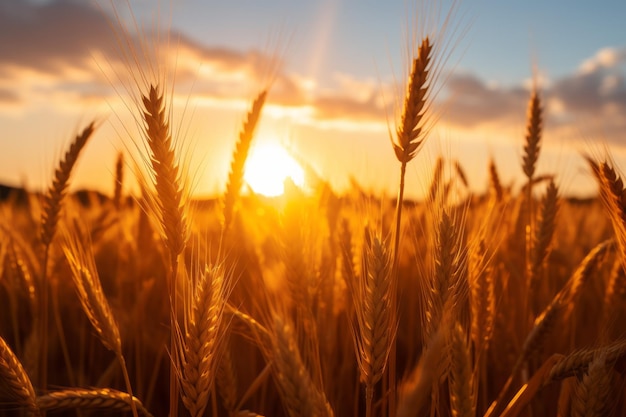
(54, 36)
(593, 99)
(57, 36)
(472, 102)
(49, 36)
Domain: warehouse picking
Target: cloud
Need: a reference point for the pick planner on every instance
(345, 107)
(76, 47)
(598, 85)
(593, 98)
(46, 37)
(71, 48)
(605, 58)
(8, 97)
(471, 102)
(588, 103)
(68, 48)
(351, 99)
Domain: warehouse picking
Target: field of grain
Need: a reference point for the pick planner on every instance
(313, 303)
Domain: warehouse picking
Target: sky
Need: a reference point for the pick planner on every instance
(335, 70)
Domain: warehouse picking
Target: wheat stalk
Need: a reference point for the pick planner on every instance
(119, 181)
(416, 388)
(460, 172)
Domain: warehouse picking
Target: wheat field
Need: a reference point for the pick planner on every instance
(314, 303)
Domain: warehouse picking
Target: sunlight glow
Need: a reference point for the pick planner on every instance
(267, 168)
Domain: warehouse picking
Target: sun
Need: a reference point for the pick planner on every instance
(267, 168)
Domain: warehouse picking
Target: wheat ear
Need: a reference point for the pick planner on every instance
(165, 170)
(375, 317)
(80, 257)
(170, 201)
(348, 269)
(201, 341)
(593, 393)
(613, 196)
(482, 297)
(53, 200)
(100, 398)
(534, 127)
(14, 377)
(436, 184)
(461, 381)
(410, 132)
(235, 175)
(52, 204)
(495, 186)
(584, 271)
(578, 362)
(300, 395)
(542, 240)
(448, 274)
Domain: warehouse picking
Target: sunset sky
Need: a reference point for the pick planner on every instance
(338, 77)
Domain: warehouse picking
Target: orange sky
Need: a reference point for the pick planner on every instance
(61, 65)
